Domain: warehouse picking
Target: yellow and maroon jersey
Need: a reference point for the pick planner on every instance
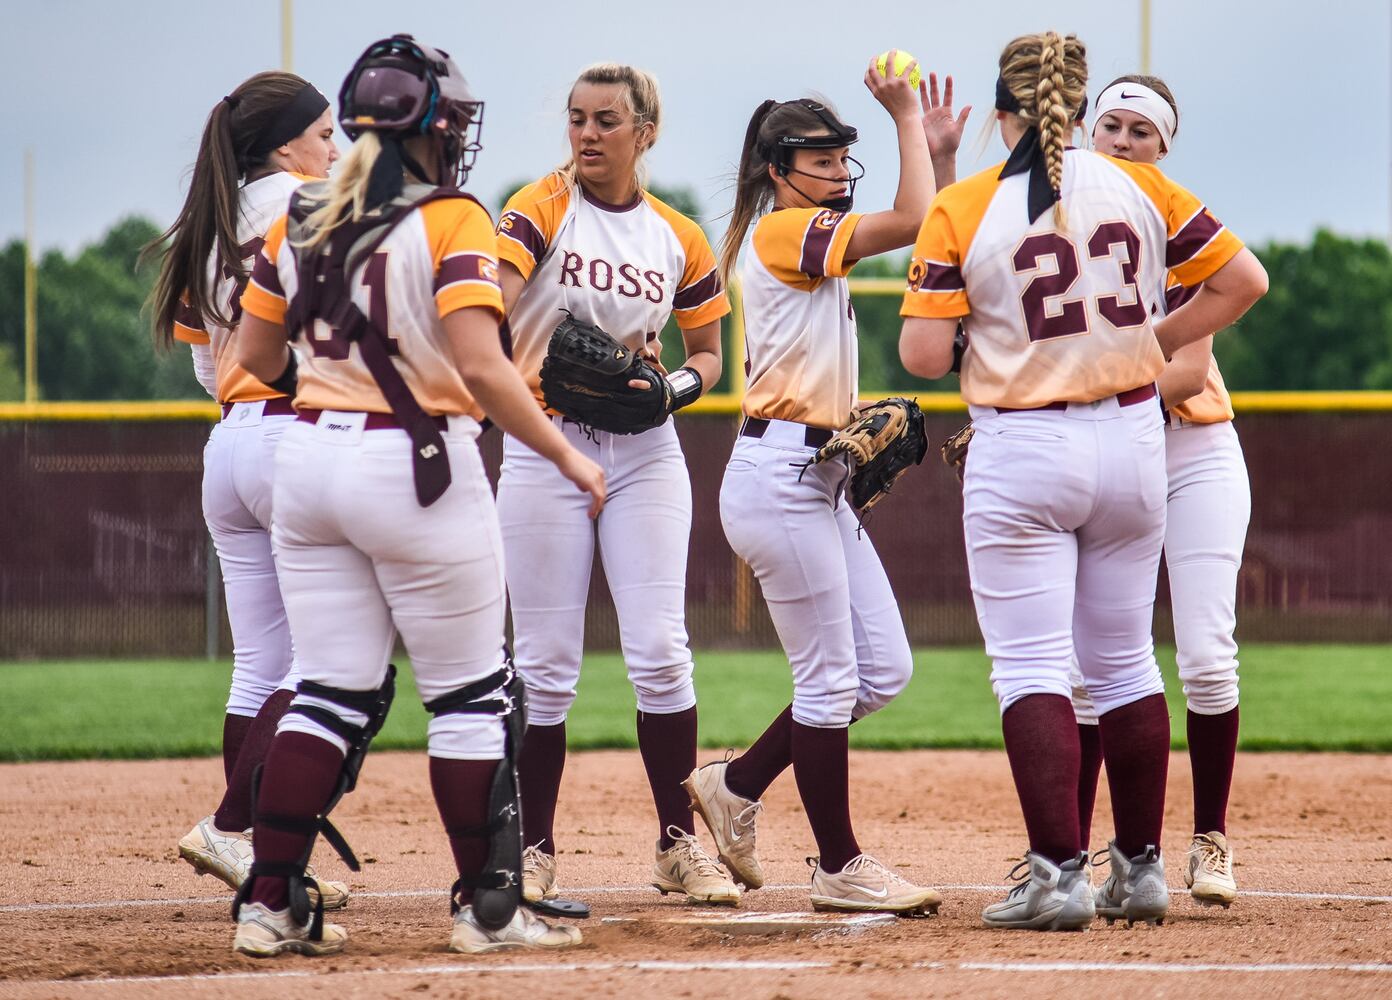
(261, 202)
(1061, 316)
(799, 328)
(1213, 405)
(442, 257)
(625, 268)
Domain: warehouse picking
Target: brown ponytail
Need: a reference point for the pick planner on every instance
(207, 223)
(1047, 74)
(753, 187)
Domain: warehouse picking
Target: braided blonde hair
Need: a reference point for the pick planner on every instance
(1047, 73)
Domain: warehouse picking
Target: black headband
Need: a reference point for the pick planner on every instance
(1028, 154)
(299, 113)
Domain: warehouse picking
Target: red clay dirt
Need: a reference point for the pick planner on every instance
(94, 901)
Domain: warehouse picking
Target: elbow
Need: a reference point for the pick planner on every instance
(923, 360)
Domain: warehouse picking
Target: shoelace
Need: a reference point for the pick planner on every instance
(701, 862)
(745, 817)
(862, 862)
(1023, 880)
(1214, 859)
(531, 859)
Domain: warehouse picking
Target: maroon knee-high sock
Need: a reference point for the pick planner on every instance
(1089, 770)
(462, 789)
(539, 769)
(750, 774)
(234, 731)
(1136, 746)
(1041, 740)
(821, 764)
(1212, 753)
(301, 773)
(667, 743)
(234, 811)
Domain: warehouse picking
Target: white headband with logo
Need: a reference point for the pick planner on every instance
(1141, 100)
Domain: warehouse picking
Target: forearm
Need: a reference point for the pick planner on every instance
(707, 365)
(1186, 373)
(262, 348)
(916, 171)
(499, 389)
(944, 170)
(1205, 314)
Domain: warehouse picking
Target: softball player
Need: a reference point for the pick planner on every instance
(259, 144)
(827, 593)
(1052, 262)
(588, 239)
(360, 558)
(1209, 503)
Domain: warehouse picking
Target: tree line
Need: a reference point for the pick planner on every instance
(1326, 323)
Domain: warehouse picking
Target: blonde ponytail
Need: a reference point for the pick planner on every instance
(347, 190)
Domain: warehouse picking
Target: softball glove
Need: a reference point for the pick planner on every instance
(585, 377)
(883, 440)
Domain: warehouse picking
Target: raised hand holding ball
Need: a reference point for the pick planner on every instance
(901, 60)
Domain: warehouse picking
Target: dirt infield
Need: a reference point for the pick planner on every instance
(95, 903)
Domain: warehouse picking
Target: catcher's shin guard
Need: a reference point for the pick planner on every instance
(498, 886)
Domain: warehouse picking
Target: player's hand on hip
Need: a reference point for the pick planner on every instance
(587, 476)
(940, 128)
(893, 91)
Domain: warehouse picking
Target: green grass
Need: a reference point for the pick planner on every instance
(1293, 698)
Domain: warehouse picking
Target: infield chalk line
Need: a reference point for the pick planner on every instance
(551, 968)
(596, 890)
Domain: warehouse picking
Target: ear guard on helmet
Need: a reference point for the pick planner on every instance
(401, 87)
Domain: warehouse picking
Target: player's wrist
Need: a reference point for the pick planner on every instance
(684, 387)
(286, 382)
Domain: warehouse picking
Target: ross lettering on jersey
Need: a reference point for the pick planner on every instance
(570, 268)
(522, 231)
(1198, 232)
(631, 287)
(699, 292)
(601, 275)
(816, 243)
(656, 279)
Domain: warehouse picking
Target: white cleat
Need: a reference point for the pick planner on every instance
(730, 819)
(1135, 890)
(525, 930)
(866, 886)
(227, 856)
(265, 933)
(1049, 897)
(1209, 874)
(685, 867)
(538, 875)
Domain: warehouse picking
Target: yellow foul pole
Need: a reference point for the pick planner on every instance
(287, 35)
(31, 288)
(1144, 36)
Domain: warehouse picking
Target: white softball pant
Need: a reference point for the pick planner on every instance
(238, 462)
(1210, 502)
(1064, 514)
(643, 533)
(826, 590)
(361, 560)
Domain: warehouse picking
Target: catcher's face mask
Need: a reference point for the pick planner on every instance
(401, 87)
(837, 136)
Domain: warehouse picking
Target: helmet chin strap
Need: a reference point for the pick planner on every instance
(839, 204)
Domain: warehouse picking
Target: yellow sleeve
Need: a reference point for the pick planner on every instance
(188, 324)
(530, 221)
(937, 289)
(1197, 245)
(264, 297)
(802, 246)
(465, 252)
(700, 297)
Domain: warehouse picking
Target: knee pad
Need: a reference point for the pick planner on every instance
(498, 886)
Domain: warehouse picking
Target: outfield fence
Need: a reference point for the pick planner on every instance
(103, 550)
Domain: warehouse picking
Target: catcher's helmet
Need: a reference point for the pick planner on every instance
(400, 87)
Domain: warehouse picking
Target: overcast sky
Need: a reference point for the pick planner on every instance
(1284, 105)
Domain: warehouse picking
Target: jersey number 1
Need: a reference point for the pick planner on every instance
(327, 342)
(1070, 316)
